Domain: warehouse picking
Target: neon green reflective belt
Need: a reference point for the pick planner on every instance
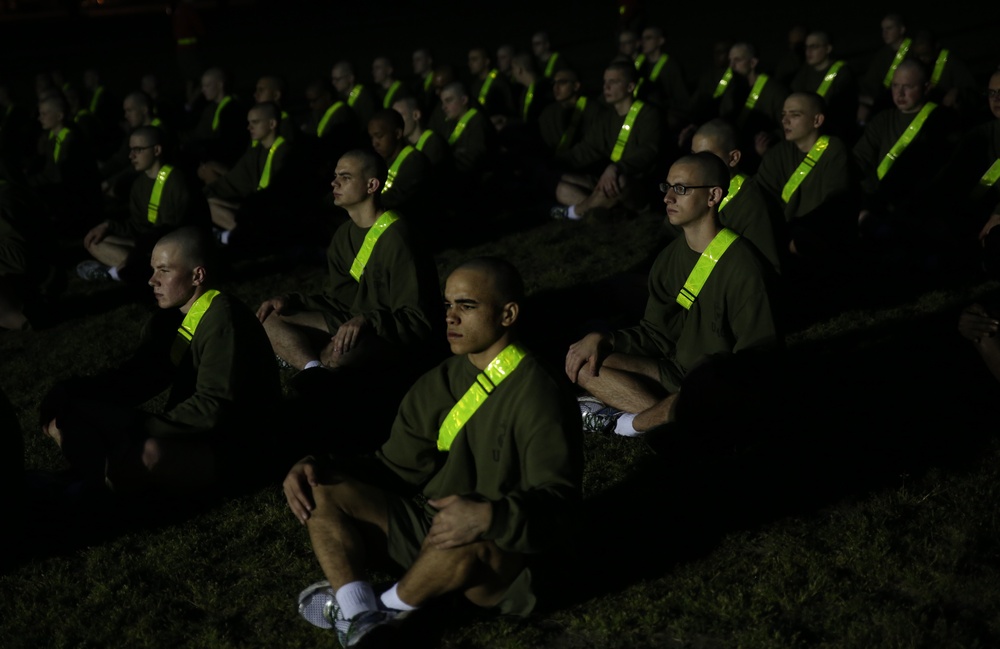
(574, 122)
(462, 123)
(96, 98)
(828, 78)
(428, 81)
(904, 47)
(187, 41)
(156, 122)
(904, 140)
(364, 254)
(321, 129)
(218, 112)
(626, 130)
(485, 90)
(704, 267)
(60, 138)
(805, 167)
(265, 176)
(720, 89)
(758, 87)
(486, 382)
(529, 95)
(390, 95)
(353, 95)
(942, 60)
(989, 179)
(550, 65)
(153, 211)
(639, 60)
(735, 185)
(653, 76)
(83, 112)
(190, 324)
(426, 135)
(394, 169)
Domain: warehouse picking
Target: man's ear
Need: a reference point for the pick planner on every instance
(373, 185)
(715, 195)
(734, 158)
(509, 313)
(198, 276)
(818, 120)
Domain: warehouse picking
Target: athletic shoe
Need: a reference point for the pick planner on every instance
(559, 213)
(282, 363)
(597, 417)
(318, 605)
(93, 270)
(351, 632)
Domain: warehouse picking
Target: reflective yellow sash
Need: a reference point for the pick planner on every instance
(60, 138)
(704, 267)
(191, 40)
(462, 123)
(321, 129)
(353, 95)
(364, 254)
(394, 169)
(805, 167)
(486, 86)
(486, 382)
(153, 211)
(831, 74)
(626, 130)
(529, 95)
(653, 76)
(758, 87)
(727, 76)
(96, 98)
(735, 185)
(550, 65)
(190, 324)
(426, 135)
(265, 176)
(942, 60)
(390, 95)
(904, 140)
(989, 179)
(156, 122)
(80, 113)
(639, 60)
(428, 81)
(574, 123)
(904, 47)
(218, 112)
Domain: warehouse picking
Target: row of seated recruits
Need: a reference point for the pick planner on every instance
(479, 478)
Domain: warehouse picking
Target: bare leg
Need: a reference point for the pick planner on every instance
(112, 251)
(223, 214)
(481, 569)
(297, 338)
(631, 384)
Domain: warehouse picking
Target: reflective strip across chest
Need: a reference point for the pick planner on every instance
(153, 211)
(735, 185)
(390, 94)
(364, 254)
(989, 179)
(265, 176)
(905, 139)
(754, 96)
(185, 333)
(626, 131)
(574, 123)
(462, 123)
(394, 169)
(806, 166)
(831, 74)
(485, 90)
(486, 382)
(704, 267)
(904, 47)
(218, 112)
(321, 128)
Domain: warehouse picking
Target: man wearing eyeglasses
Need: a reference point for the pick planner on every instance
(709, 295)
(160, 201)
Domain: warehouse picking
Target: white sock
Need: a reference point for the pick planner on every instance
(390, 599)
(572, 215)
(113, 272)
(356, 597)
(624, 426)
(312, 364)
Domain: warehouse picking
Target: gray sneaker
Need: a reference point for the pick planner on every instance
(351, 632)
(318, 605)
(597, 417)
(559, 213)
(93, 270)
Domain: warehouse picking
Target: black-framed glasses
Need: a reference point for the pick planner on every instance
(992, 94)
(139, 149)
(680, 190)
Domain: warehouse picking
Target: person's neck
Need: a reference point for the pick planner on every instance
(415, 134)
(823, 65)
(485, 73)
(365, 214)
(198, 292)
(654, 56)
(485, 357)
(395, 153)
(700, 233)
(268, 140)
(915, 109)
(388, 83)
(805, 144)
(621, 107)
(752, 77)
(154, 170)
(571, 102)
